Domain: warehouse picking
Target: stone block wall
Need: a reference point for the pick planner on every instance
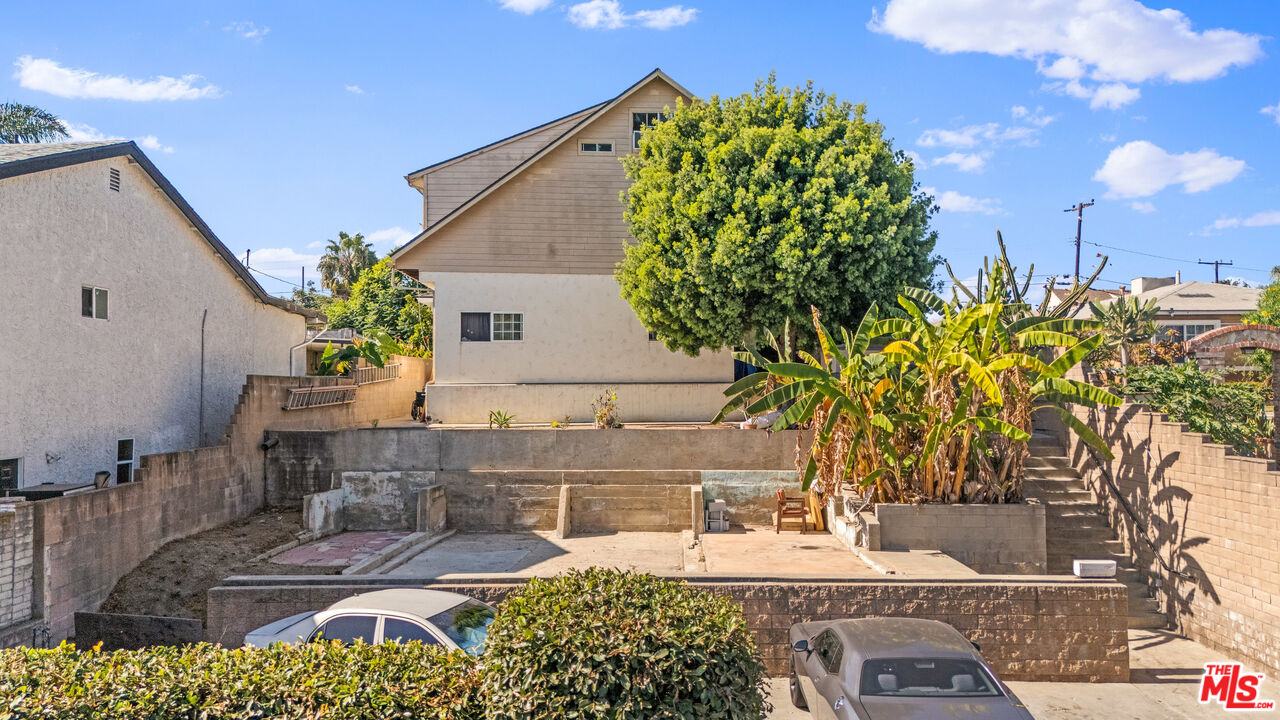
(1212, 517)
(16, 561)
(1033, 629)
(993, 539)
(83, 543)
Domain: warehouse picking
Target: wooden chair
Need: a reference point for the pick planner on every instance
(792, 508)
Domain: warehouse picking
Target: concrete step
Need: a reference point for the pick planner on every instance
(1046, 461)
(1050, 473)
(1148, 620)
(1072, 511)
(1042, 484)
(1055, 495)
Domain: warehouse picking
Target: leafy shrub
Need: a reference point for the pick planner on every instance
(607, 644)
(208, 682)
(1229, 413)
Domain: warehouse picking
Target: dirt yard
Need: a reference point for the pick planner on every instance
(174, 580)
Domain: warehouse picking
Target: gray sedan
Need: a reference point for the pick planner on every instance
(894, 669)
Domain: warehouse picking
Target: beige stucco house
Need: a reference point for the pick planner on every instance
(128, 326)
(519, 245)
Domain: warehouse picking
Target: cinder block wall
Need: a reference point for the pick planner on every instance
(16, 562)
(84, 543)
(1072, 630)
(1212, 516)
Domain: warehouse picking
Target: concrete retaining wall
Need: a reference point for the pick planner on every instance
(83, 543)
(995, 539)
(304, 462)
(544, 402)
(750, 494)
(1213, 517)
(1029, 628)
(133, 632)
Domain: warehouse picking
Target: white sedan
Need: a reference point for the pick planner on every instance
(432, 617)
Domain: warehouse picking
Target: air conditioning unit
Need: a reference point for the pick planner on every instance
(1094, 568)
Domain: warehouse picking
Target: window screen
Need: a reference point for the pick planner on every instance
(348, 629)
(396, 630)
(475, 327)
(100, 303)
(9, 474)
(508, 326)
(86, 302)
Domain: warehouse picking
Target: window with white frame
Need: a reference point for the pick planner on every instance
(508, 327)
(641, 121)
(1182, 332)
(93, 302)
(124, 461)
(10, 474)
(596, 148)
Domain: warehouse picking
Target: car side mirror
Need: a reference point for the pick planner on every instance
(976, 646)
(801, 646)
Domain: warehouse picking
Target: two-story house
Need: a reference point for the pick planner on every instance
(519, 244)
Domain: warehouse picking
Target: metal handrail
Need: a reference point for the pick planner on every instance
(372, 374)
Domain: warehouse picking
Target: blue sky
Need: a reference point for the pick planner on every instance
(285, 122)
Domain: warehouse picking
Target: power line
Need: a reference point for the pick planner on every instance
(1162, 257)
(273, 277)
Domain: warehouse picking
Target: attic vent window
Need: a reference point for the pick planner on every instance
(597, 147)
(114, 179)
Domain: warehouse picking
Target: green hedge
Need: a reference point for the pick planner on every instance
(207, 682)
(607, 644)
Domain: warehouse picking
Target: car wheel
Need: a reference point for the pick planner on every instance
(797, 695)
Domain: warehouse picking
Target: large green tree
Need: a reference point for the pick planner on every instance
(1268, 312)
(748, 210)
(29, 124)
(381, 299)
(343, 261)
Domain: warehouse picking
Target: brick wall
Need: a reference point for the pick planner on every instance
(1069, 630)
(84, 543)
(16, 561)
(1213, 518)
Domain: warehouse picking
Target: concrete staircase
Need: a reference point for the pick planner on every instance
(1076, 527)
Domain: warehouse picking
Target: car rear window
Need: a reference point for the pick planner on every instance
(348, 629)
(926, 677)
(466, 624)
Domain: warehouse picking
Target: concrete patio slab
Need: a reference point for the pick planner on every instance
(342, 550)
(758, 551)
(541, 554)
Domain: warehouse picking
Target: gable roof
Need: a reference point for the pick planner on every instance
(595, 112)
(1198, 298)
(25, 158)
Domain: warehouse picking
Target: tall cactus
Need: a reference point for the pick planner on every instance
(999, 280)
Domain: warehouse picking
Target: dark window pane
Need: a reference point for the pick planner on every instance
(100, 303)
(348, 628)
(9, 474)
(86, 301)
(396, 630)
(605, 147)
(124, 473)
(588, 147)
(475, 327)
(124, 451)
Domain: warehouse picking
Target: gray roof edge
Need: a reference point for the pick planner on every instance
(131, 149)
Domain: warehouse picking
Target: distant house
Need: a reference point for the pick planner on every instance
(337, 338)
(1188, 309)
(128, 326)
(519, 245)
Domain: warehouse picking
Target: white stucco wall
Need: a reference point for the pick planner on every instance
(72, 386)
(577, 329)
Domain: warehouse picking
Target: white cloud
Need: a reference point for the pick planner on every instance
(356, 89)
(1273, 111)
(1262, 219)
(285, 263)
(1108, 137)
(1142, 206)
(1032, 117)
(952, 201)
(248, 30)
(80, 132)
(964, 162)
(527, 7)
(973, 135)
(48, 76)
(1141, 169)
(1113, 43)
(393, 237)
(609, 15)
(916, 160)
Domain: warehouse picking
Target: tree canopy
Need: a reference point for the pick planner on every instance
(381, 300)
(343, 261)
(29, 124)
(748, 210)
(1268, 312)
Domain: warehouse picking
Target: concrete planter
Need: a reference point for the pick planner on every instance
(993, 539)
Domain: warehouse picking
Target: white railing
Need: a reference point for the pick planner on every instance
(371, 374)
(309, 397)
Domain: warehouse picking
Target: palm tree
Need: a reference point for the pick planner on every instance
(343, 261)
(1125, 322)
(29, 124)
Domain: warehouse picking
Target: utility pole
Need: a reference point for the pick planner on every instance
(1079, 211)
(246, 259)
(304, 278)
(1215, 264)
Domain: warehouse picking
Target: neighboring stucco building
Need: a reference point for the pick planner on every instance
(128, 327)
(520, 242)
(1188, 309)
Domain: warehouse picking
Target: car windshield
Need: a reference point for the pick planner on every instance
(466, 624)
(926, 677)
